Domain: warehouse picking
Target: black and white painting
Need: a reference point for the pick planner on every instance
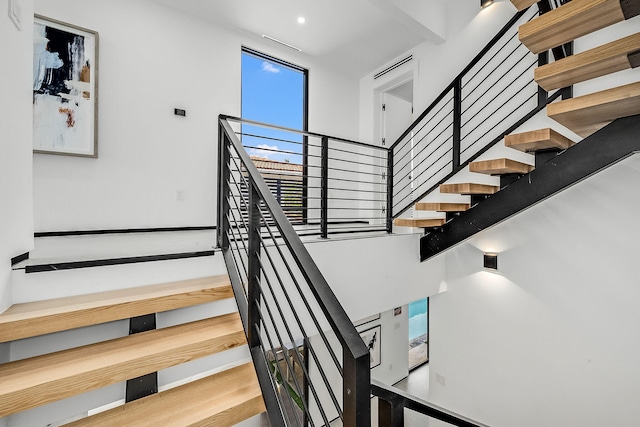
(371, 338)
(64, 88)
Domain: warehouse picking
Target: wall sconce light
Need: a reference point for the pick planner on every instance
(485, 3)
(491, 261)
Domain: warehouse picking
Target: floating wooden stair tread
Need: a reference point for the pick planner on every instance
(224, 399)
(570, 21)
(417, 222)
(442, 207)
(586, 114)
(500, 167)
(43, 379)
(43, 317)
(523, 4)
(600, 61)
(535, 140)
(469, 188)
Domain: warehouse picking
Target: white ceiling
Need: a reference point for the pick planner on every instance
(356, 36)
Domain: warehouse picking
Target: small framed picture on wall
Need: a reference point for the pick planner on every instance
(371, 338)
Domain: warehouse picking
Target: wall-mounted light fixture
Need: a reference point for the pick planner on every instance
(491, 261)
(485, 3)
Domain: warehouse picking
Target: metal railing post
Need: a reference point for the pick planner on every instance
(324, 188)
(543, 59)
(253, 260)
(223, 189)
(567, 92)
(390, 191)
(390, 414)
(457, 122)
(356, 389)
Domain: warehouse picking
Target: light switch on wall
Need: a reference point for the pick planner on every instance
(15, 13)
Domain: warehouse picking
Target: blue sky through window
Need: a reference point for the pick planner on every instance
(274, 94)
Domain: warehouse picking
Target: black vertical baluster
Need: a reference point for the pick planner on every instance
(390, 191)
(253, 259)
(223, 189)
(390, 414)
(543, 59)
(324, 189)
(356, 388)
(457, 122)
(567, 92)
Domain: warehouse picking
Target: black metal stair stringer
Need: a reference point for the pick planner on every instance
(609, 145)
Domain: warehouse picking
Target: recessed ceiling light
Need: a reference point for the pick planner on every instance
(301, 20)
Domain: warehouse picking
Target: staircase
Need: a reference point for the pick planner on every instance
(224, 398)
(583, 115)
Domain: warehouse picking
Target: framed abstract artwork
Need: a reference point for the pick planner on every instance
(371, 338)
(65, 89)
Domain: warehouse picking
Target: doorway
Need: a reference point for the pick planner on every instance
(418, 333)
(396, 114)
(397, 111)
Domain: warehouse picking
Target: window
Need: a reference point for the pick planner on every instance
(275, 92)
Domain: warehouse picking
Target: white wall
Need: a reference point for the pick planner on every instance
(16, 220)
(550, 340)
(373, 275)
(153, 59)
(468, 30)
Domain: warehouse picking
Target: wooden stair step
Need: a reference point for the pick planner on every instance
(469, 188)
(600, 61)
(419, 222)
(442, 207)
(500, 167)
(224, 399)
(572, 20)
(588, 113)
(43, 379)
(523, 4)
(535, 140)
(43, 317)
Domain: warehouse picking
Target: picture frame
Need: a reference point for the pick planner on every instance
(366, 320)
(65, 89)
(372, 340)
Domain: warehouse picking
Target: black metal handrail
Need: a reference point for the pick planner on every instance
(393, 401)
(490, 98)
(298, 357)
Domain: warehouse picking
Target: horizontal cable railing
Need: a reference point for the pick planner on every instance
(325, 185)
(492, 96)
(312, 365)
(393, 402)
